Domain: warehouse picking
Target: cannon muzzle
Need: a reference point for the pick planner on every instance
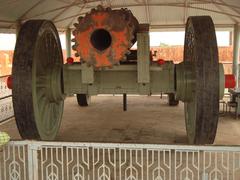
(104, 36)
(101, 39)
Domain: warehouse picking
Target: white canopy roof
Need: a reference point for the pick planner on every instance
(158, 13)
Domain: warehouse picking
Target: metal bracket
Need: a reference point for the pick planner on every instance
(143, 58)
(143, 63)
(87, 74)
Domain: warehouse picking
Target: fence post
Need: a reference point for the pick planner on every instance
(33, 161)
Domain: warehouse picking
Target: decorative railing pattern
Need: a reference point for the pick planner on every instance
(29, 160)
(6, 107)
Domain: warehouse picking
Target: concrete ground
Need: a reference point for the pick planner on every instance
(148, 120)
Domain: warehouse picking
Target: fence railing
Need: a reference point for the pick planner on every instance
(6, 107)
(29, 160)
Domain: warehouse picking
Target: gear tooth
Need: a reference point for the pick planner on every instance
(76, 25)
(93, 10)
(75, 32)
(74, 47)
(80, 18)
(100, 8)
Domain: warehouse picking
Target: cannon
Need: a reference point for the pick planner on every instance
(103, 38)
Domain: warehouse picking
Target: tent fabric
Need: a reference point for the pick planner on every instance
(158, 13)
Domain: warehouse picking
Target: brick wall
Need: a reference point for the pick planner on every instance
(6, 62)
(174, 53)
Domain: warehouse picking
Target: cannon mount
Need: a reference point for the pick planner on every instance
(41, 81)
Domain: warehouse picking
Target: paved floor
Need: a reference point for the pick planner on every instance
(148, 120)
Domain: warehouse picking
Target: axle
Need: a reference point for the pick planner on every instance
(167, 77)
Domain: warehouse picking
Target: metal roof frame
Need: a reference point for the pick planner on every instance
(222, 7)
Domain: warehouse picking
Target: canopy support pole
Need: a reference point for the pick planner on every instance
(68, 42)
(236, 45)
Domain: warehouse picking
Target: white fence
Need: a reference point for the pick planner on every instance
(27, 160)
(6, 106)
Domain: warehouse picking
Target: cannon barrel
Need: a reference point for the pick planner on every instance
(104, 36)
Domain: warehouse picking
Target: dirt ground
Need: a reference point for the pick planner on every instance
(148, 120)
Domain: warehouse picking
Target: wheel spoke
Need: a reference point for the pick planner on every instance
(46, 116)
(41, 82)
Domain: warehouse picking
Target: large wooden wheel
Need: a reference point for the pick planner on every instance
(37, 80)
(198, 80)
(201, 114)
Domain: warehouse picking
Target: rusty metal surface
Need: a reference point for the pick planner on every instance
(103, 37)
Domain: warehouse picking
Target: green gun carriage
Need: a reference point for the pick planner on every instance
(102, 39)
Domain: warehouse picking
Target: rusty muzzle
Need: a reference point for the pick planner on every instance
(104, 36)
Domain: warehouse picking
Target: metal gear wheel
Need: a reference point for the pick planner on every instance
(104, 36)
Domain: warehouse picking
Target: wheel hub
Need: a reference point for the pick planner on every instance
(54, 86)
(185, 81)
